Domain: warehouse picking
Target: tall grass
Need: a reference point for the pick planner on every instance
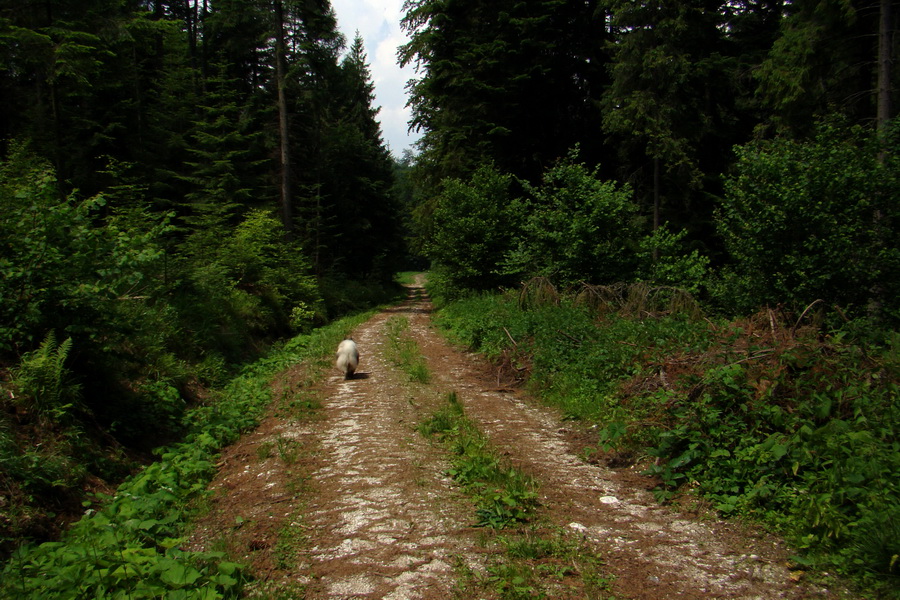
(574, 358)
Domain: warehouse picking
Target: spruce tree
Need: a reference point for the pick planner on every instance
(511, 82)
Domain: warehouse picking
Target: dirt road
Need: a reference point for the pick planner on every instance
(354, 503)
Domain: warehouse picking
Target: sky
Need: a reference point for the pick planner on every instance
(378, 21)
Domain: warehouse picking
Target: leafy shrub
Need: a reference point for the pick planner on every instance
(576, 227)
(59, 270)
(800, 434)
(808, 220)
(247, 284)
(475, 227)
(664, 261)
(573, 227)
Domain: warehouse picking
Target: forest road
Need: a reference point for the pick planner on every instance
(352, 502)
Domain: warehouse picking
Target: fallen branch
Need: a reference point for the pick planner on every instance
(803, 314)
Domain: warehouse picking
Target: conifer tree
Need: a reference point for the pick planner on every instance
(824, 61)
(670, 96)
(226, 171)
(511, 82)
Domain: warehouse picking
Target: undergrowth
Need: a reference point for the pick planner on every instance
(767, 417)
(129, 545)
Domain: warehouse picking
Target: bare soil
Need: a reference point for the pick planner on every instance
(353, 503)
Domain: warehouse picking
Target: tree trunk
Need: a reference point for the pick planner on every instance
(885, 45)
(655, 204)
(882, 117)
(287, 212)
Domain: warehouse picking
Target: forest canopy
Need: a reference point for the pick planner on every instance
(226, 153)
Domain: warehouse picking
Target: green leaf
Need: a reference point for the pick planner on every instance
(175, 573)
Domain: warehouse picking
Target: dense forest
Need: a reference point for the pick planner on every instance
(185, 183)
(743, 150)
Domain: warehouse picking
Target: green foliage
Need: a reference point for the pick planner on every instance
(669, 85)
(773, 421)
(572, 227)
(503, 495)
(44, 381)
(504, 82)
(665, 261)
(130, 545)
(571, 360)
(225, 169)
(814, 64)
(342, 296)
(577, 227)
(812, 220)
(801, 435)
(475, 226)
(59, 269)
(246, 283)
(32, 471)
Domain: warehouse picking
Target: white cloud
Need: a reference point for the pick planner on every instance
(378, 22)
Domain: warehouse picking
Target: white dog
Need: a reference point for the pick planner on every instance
(347, 357)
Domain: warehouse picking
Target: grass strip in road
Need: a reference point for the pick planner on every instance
(532, 559)
(404, 352)
(503, 495)
(545, 562)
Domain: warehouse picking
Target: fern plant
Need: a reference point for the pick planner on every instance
(43, 380)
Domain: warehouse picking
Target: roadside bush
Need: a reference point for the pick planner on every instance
(665, 261)
(800, 433)
(63, 267)
(576, 227)
(234, 290)
(494, 231)
(810, 220)
(475, 228)
(342, 296)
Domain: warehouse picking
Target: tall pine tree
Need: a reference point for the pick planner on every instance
(505, 81)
